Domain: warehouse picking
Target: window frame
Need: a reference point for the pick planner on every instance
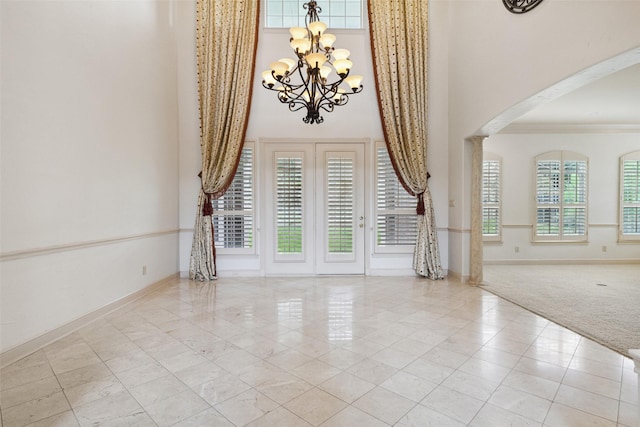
(561, 156)
(245, 250)
(388, 249)
(492, 238)
(325, 16)
(622, 236)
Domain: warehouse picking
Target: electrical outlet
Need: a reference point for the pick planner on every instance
(604, 248)
(144, 270)
(516, 249)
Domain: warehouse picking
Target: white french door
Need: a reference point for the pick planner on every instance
(314, 210)
(339, 209)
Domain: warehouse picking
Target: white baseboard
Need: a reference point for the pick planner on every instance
(22, 350)
(231, 273)
(401, 272)
(462, 278)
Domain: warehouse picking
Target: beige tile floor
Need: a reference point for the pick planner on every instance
(348, 351)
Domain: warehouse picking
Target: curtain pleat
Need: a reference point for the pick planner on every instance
(426, 256)
(398, 31)
(227, 38)
(202, 265)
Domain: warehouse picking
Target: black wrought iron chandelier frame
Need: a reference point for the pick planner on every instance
(314, 92)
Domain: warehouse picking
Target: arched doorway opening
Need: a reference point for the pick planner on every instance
(628, 62)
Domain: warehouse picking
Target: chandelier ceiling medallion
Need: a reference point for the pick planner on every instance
(520, 6)
(315, 87)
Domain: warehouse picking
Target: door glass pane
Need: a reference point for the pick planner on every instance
(340, 205)
(289, 205)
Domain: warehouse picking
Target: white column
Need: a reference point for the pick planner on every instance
(476, 250)
(635, 354)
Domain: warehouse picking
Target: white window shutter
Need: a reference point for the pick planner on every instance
(289, 202)
(233, 212)
(630, 197)
(395, 208)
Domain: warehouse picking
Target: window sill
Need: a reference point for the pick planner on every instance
(629, 241)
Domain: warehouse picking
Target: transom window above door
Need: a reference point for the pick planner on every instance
(337, 14)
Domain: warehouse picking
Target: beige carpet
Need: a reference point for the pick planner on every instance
(601, 302)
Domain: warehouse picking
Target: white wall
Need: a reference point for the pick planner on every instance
(518, 188)
(269, 119)
(498, 59)
(189, 127)
(89, 158)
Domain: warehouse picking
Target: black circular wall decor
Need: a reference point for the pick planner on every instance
(520, 6)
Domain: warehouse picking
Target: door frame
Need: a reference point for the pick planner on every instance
(307, 266)
(347, 264)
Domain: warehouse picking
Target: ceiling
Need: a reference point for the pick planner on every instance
(610, 102)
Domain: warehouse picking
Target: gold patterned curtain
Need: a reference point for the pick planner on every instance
(398, 31)
(227, 38)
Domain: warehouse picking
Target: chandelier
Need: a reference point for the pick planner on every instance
(312, 69)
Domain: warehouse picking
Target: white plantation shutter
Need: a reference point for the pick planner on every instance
(630, 197)
(574, 215)
(340, 204)
(548, 197)
(289, 203)
(491, 197)
(233, 212)
(335, 13)
(561, 196)
(395, 208)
